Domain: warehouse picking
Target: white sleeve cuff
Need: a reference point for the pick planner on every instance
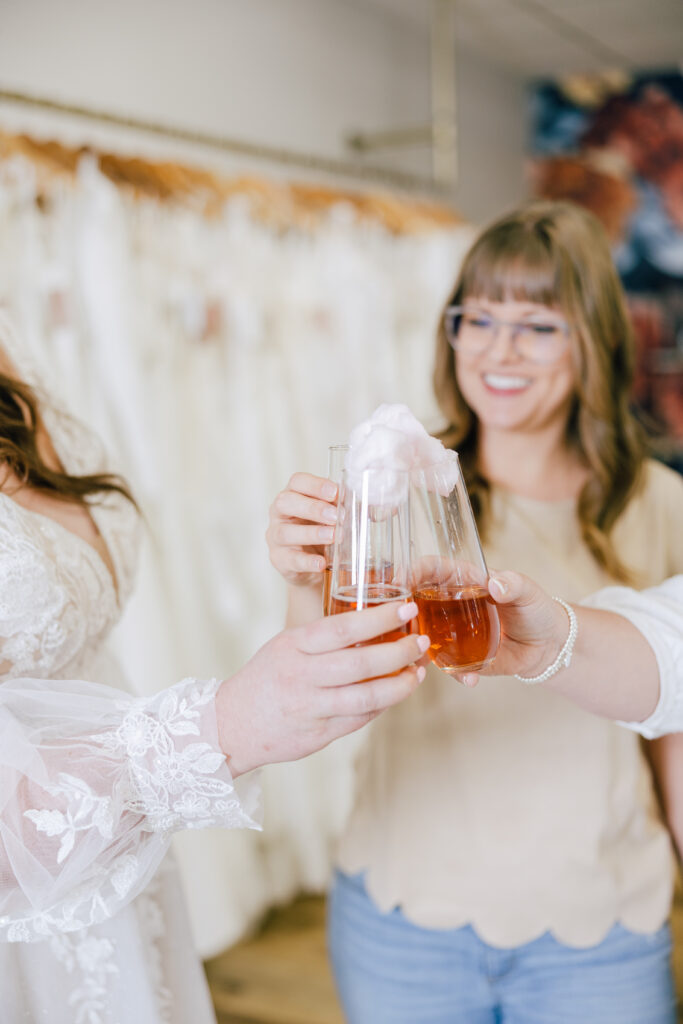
(658, 614)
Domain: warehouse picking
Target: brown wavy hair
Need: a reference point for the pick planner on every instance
(557, 254)
(20, 451)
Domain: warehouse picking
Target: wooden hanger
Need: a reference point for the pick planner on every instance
(282, 204)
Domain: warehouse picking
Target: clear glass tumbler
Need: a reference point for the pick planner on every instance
(371, 556)
(449, 577)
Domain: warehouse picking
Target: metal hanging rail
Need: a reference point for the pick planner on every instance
(239, 147)
(441, 132)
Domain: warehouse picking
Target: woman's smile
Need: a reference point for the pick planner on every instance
(506, 383)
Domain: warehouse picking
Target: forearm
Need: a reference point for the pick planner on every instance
(304, 605)
(613, 671)
(627, 658)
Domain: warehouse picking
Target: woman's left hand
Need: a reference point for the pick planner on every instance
(302, 519)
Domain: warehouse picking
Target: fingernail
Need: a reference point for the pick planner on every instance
(329, 492)
(326, 534)
(407, 611)
(499, 585)
(423, 643)
(421, 673)
(330, 514)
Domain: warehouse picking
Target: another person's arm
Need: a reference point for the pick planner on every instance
(617, 658)
(94, 782)
(627, 661)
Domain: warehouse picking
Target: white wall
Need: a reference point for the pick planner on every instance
(492, 123)
(300, 74)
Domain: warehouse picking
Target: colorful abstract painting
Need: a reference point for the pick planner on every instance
(614, 144)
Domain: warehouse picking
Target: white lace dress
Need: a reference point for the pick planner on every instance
(92, 781)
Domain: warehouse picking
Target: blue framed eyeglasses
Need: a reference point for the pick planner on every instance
(539, 338)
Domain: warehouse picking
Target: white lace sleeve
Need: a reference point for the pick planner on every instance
(92, 784)
(658, 614)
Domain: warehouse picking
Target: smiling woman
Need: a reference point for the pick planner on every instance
(547, 264)
(517, 822)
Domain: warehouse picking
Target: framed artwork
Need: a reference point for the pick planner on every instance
(614, 144)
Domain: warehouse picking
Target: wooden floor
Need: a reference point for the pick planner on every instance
(282, 976)
(677, 925)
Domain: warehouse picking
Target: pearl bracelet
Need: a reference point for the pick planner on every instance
(565, 656)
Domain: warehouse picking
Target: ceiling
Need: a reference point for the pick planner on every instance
(546, 38)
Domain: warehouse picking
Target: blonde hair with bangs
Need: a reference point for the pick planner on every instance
(557, 254)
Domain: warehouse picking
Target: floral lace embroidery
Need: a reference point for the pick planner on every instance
(47, 578)
(85, 810)
(88, 904)
(166, 781)
(169, 783)
(153, 928)
(93, 957)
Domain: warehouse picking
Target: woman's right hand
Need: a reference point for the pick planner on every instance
(310, 685)
(302, 519)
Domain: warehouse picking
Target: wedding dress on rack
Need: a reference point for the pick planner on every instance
(93, 928)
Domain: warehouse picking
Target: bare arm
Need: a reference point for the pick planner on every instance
(614, 669)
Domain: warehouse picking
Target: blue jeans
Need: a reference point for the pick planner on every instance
(390, 971)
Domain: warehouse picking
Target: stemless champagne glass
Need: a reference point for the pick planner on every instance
(371, 548)
(336, 455)
(448, 571)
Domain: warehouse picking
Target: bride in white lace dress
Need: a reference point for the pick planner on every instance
(92, 781)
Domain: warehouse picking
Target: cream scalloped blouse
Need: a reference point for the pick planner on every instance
(506, 807)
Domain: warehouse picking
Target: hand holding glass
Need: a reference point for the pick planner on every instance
(370, 563)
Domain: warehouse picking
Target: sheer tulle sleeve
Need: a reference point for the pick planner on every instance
(658, 613)
(92, 784)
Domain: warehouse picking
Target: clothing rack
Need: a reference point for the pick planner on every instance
(284, 204)
(355, 169)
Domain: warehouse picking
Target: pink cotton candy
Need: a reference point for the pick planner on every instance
(391, 442)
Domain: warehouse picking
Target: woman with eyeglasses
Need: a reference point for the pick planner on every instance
(505, 860)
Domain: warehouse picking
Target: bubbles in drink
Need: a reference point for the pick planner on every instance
(351, 599)
(381, 574)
